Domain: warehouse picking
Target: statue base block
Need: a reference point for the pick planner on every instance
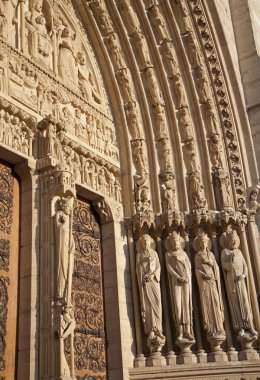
(186, 359)
(170, 358)
(201, 357)
(248, 354)
(139, 361)
(186, 356)
(232, 355)
(217, 356)
(155, 360)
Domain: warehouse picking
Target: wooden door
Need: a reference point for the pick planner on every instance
(87, 295)
(9, 263)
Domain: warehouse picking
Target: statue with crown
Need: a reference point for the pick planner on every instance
(236, 280)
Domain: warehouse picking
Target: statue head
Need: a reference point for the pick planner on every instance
(66, 205)
(145, 242)
(174, 242)
(66, 32)
(81, 58)
(202, 242)
(37, 5)
(232, 239)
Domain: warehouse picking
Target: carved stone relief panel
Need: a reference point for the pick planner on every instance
(87, 168)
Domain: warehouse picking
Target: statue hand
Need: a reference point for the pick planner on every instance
(240, 277)
(183, 280)
(207, 276)
(143, 315)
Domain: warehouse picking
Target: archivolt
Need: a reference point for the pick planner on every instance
(175, 126)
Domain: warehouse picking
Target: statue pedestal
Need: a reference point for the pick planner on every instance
(186, 356)
(139, 361)
(232, 355)
(170, 358)
(248, 352)
(217, 354)
(201, 356)
(155, 360)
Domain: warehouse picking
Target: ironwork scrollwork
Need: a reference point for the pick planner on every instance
(6, 199)
(4, 282)
(87, 297)
(4, 254)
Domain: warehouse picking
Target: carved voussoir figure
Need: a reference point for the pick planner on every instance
(235, 273)
(65, 247)
(148, 271)
(207, 273)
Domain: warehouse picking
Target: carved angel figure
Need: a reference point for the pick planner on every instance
(179, 275)
(65, 247)
(235, 273)
(148, 271)
(207, 273)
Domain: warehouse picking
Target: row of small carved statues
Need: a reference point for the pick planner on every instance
(15, 133)
(235, 272)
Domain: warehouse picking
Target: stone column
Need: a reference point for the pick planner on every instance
(22, 25)
(252, 288)
(232, 353)
(170, 357)
(254, 247)
(140, 359)
(28, 337)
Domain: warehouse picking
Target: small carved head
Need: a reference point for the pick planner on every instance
(145, 242)
(232, 239)
(202, 242)
(174, 242)
(66, 205)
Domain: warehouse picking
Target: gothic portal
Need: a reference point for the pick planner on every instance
(129, 224)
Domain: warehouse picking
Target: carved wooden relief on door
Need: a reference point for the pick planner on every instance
(9, 260)
(87, 295)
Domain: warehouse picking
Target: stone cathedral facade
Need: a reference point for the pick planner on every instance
(129, 181)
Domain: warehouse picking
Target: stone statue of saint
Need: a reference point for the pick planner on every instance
(39, 40)
(148, 271)
(207, 273)
(65, 247)
(235, 273)
(67, 58)
(179, 275)
(86, 80)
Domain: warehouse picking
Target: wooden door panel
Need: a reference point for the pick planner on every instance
(9, 263)
(87, 295)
